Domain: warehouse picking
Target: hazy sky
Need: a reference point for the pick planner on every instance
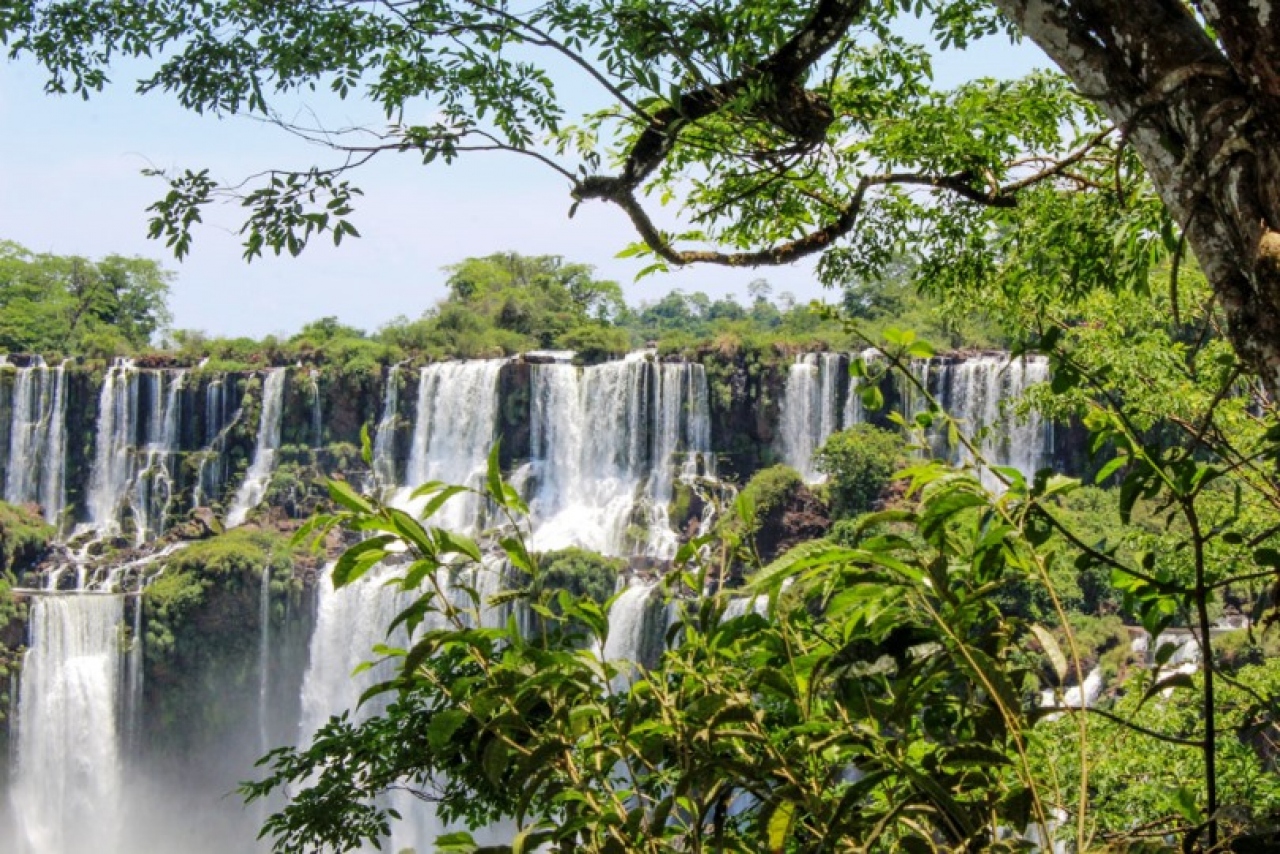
(71, 183)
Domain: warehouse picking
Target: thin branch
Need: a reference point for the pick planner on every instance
(1128, 724)
(545, 39)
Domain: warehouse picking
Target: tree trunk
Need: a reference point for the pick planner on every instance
(1204, 118)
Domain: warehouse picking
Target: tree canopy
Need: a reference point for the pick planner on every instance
(55, 304)
(782, 128)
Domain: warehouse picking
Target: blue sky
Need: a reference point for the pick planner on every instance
(71, 183)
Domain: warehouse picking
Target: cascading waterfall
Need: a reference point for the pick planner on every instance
(610, 446)
(384, 437)
(979, 392)
(37, 440)
(264, 659)
(637, 629)
(154, 487)
(811, 409)
(66, 794)
(218, 421)
(317, 412)
(682, 418)
(349, 623)
(134, 451)
(603, 441)
(256, 479)
(454, 427)
(113, 447)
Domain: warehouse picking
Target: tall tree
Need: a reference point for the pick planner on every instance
(789, 128)
(52, 303)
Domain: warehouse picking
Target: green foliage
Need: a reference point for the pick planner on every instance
(763, 499)
(205, 600)
(54, 304)
(770, 489)
(739, 738)
(581, 574)
(24, 536)
(1145, 784)
(894, 298)
(859, 463)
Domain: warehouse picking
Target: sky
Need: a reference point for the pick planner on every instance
(71, 183)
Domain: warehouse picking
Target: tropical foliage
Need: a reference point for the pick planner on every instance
(54, 304)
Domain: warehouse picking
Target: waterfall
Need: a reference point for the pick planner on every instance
(155, 482)
(134, 675)
(113, 445)
(980, 392)
(257, 478)
(454, 427)
(637, 629)
(66, 794)
(135, 449)
(37, 440)
(384, 437)
(211, 470)
(317, 414)
(264, 659)
(810, 410)
(604, 441)
(349, 623)
(682, 418)
(853, 409)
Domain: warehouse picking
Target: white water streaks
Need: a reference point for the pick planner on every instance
(36, 462)
(455, 424)
(981, 393)
(134, 450)
(606, 442)
(256, 479)
(350, 622)
(154, 485)
(66, 794)
(811, 409)
(384, 437)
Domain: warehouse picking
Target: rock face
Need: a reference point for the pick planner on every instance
(801, 517)
(189, 433)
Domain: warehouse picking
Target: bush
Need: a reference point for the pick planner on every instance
(186, 605)
(581, 573)
(595, 342)
(771, 489)
(859, 463)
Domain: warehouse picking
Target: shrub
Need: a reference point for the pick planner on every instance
(581, 573)
(859, 463)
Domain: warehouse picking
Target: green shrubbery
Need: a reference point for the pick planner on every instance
(859, 464)
(24, 535)
(581, 573)
(206, 597)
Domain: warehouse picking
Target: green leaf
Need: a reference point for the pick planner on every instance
(1051, 649)
(493, 474)
(366, 444)
(458, 842)
(438, 500)
(779, 827)
(494, 761)
(342, 493)
(358, 559)
(451, 543)
(442, 727)
(1185, 802)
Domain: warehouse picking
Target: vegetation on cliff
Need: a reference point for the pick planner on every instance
(24, 536)
(206, 602)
